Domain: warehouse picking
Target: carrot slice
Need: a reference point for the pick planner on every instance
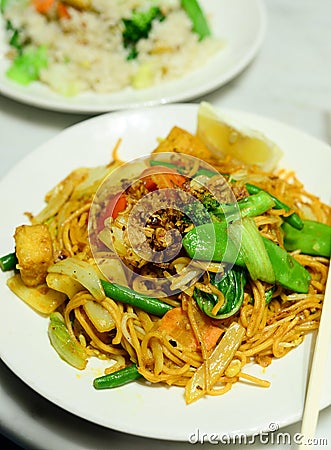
(62, 11)
(43, 6)
(162, 177)
(120, 206)
(176, 324)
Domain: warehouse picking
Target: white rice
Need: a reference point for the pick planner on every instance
(85, 52)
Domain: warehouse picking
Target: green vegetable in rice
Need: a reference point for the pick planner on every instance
(138, 27)
(27, 65)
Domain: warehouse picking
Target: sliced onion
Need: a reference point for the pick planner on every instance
(63, 283)
(118, 239)
(200, 180)
(105, 237)
(112, 269)
(185, 277)
(82, 272)
(42, 298)
(59, 195)
(99, 316)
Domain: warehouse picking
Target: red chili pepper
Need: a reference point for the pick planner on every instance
(115, 205)
(150, 184)
(119, 206)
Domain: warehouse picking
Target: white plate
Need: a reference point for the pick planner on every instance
(151, 411)
(239, 22)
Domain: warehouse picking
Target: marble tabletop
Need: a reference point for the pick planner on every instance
(289, 80)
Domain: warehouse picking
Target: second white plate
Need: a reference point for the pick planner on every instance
(241, 24)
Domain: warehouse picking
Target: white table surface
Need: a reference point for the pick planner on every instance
(289, 81)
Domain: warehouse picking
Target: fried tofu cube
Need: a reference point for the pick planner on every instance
(34, 253)
(181, 141)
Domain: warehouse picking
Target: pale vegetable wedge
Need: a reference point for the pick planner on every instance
(42, 298)
(226, 137)
(99, 316)
(66, 347)
(82, 272)
(218, 361)
(63, 283)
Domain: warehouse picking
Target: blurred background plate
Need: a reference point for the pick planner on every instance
(241, 24)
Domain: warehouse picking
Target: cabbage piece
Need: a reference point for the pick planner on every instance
(58, 196)
(82, 272)
(66, 347)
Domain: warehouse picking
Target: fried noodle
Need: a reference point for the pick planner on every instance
(271, 329)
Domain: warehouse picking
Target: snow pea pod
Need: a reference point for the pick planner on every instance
(314, 238)
(209, 242)
(288, 272)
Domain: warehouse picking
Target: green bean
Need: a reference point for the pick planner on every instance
(8, 262)
(154, 162)
(181, 169)
(293, 219)
(118, 378)
(144, 302)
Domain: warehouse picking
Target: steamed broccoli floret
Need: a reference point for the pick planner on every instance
(210, 203)
(208, 209)
(14, 36)
(138, 27)
(196, 213)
